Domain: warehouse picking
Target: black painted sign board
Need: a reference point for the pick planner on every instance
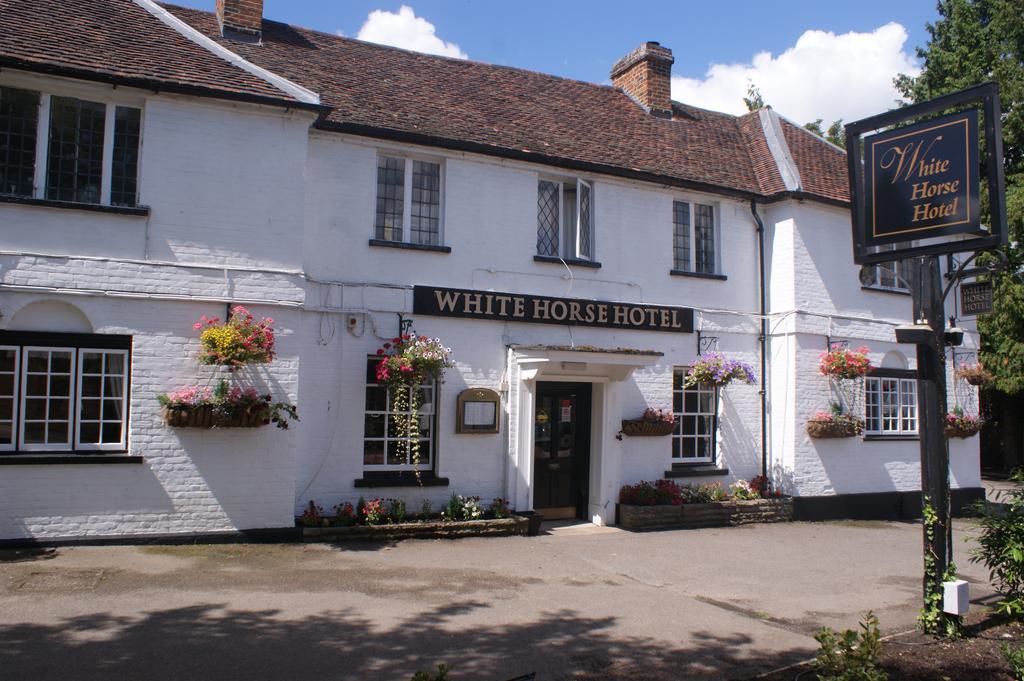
(921, 181)
(517, 307)
(975, 298)
(916, 184)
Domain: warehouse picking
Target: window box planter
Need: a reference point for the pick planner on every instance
(713, 514)
(424, 529)
(834, 428)
(645, 428)
(208, 417)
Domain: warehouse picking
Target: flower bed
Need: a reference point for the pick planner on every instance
(387, 519)
(664, 504)
(224, 407)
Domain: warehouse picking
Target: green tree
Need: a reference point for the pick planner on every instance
(753, 100)
(975, 41)
(835, 133)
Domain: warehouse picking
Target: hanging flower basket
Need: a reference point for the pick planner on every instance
(975, 374)
(224, 407)
(962, 425)
(825, 425)
(714, 369)
(846, 364)
(239, 341)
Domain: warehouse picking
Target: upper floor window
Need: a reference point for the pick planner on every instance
(63, 392)
(408, 201)
(890, 404)
(694, 238)
(565, 219)
(892, 276)
(68, 149)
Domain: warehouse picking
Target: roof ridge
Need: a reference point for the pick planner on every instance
(281, 83)
(818, 138)
(788, 169)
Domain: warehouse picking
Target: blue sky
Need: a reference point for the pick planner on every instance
(581, 40)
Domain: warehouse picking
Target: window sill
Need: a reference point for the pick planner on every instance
(72, 205)
(698, 275)
(400, 479)
(50, 458)
(575, 262)
(410, 246)
(891, 438)
(695, 470)
(879, 289)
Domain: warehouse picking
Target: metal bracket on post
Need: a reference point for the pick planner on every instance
(705, 343)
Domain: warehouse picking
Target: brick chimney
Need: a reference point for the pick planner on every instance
(645, 74)
(240, 18)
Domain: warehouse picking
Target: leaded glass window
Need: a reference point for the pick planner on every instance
(390, 198)
(565, 219)
(426, 203)
(19, 115)
(694, 238)
(681, 235)
(704, 235)
(125, 164)
(75, 164)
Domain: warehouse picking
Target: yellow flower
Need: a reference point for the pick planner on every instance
(221, 339)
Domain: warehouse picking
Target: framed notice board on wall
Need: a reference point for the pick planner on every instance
(477, 410)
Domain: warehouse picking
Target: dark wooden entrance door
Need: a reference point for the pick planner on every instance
(561, 450)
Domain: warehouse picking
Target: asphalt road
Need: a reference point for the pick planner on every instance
(579, 603)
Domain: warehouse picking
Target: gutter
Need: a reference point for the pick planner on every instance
(763, 337)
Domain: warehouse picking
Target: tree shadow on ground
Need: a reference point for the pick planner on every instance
(211, 642)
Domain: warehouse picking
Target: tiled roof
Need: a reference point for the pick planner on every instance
(765, 167)
(118, 41)
(388, 92)
(823, 168)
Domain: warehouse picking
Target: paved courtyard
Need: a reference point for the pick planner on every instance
(578, 603)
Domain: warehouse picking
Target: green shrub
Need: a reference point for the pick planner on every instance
(850, 655)
(1015, 658)
(1001, 546)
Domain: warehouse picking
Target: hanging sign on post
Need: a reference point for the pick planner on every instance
(975, 298)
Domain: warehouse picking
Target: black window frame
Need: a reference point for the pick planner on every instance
(78, 342)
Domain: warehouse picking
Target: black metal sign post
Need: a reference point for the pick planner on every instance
(918, 181)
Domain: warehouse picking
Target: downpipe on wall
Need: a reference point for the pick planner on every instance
(763, 336)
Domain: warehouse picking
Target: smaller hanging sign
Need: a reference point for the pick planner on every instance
(975, 298)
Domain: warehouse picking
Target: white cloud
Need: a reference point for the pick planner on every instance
(408, 31)
(824, 76)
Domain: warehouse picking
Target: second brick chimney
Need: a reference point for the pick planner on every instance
(243, 18)
(645, 74)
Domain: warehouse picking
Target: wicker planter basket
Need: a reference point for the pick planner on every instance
(958, 432)
(641, 428)
(831, 429)
(206, 417)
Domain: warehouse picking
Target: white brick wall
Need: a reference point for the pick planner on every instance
(248, 206)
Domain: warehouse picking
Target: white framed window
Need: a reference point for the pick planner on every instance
(9, 370)
(693, 440)
(46, 392)
(695, 238)
(65, 148)
(58, 393)
(102, 399)
(383, 448)
(888, 276)
(409, 194)
(565, 219)
(890, 405)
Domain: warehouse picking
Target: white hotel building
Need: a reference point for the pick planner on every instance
(159, 163)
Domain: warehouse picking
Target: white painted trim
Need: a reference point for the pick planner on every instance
(42, 146)
(297, 91)
(46, 445)
(107, 171)
(779, 149)
(15, 391)
(125, 377)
